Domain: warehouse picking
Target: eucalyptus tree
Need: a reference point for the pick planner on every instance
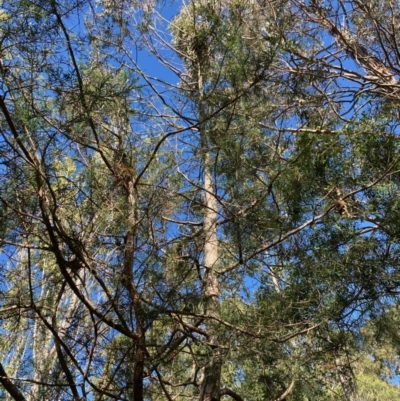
(229, 70)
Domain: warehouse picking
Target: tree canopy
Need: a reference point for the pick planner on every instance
(199, 200)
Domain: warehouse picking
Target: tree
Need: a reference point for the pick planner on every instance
(198, 239)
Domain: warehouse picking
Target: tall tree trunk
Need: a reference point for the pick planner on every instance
(210, 387)
(211, 384)
(139, 346)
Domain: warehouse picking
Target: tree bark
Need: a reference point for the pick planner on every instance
(211, 384)
(139, 345)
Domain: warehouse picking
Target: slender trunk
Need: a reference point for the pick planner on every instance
(139, 346)
(211, 384)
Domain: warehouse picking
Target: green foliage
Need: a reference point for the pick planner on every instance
(229, 232)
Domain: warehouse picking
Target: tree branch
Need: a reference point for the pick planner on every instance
(286, 393)
(231, 393)
(10, 386)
